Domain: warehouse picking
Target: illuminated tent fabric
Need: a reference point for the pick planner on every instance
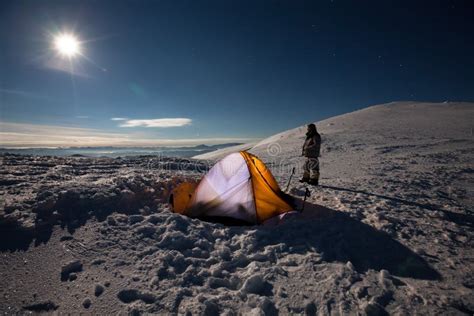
(239, 186)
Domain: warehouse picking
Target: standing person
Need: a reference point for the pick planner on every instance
(311, 149)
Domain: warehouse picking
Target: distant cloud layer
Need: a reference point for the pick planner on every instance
(118, 119)
(34, 135)
(161, 123)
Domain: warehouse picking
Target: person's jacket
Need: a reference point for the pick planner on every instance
(312, 146)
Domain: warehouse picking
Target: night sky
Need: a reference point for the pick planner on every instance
(223, 70)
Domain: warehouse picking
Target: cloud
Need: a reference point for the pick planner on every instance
(17, 135)
(161, 123)
(34, 135)
(119, 119)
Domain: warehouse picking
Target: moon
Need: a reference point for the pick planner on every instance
(67, 45)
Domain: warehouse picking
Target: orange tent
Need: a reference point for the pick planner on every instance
(239, 186)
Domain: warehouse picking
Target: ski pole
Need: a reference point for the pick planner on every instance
(289, 180)
(307, 193)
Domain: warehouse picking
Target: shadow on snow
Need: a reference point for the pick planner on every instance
(338, 237)
(457, 218)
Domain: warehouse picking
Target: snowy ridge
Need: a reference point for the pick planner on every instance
(426, 118)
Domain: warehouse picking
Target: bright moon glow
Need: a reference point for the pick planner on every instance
(67, 45)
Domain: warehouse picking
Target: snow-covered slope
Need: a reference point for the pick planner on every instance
(390, 230)
(353, 142)
(451, 119)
